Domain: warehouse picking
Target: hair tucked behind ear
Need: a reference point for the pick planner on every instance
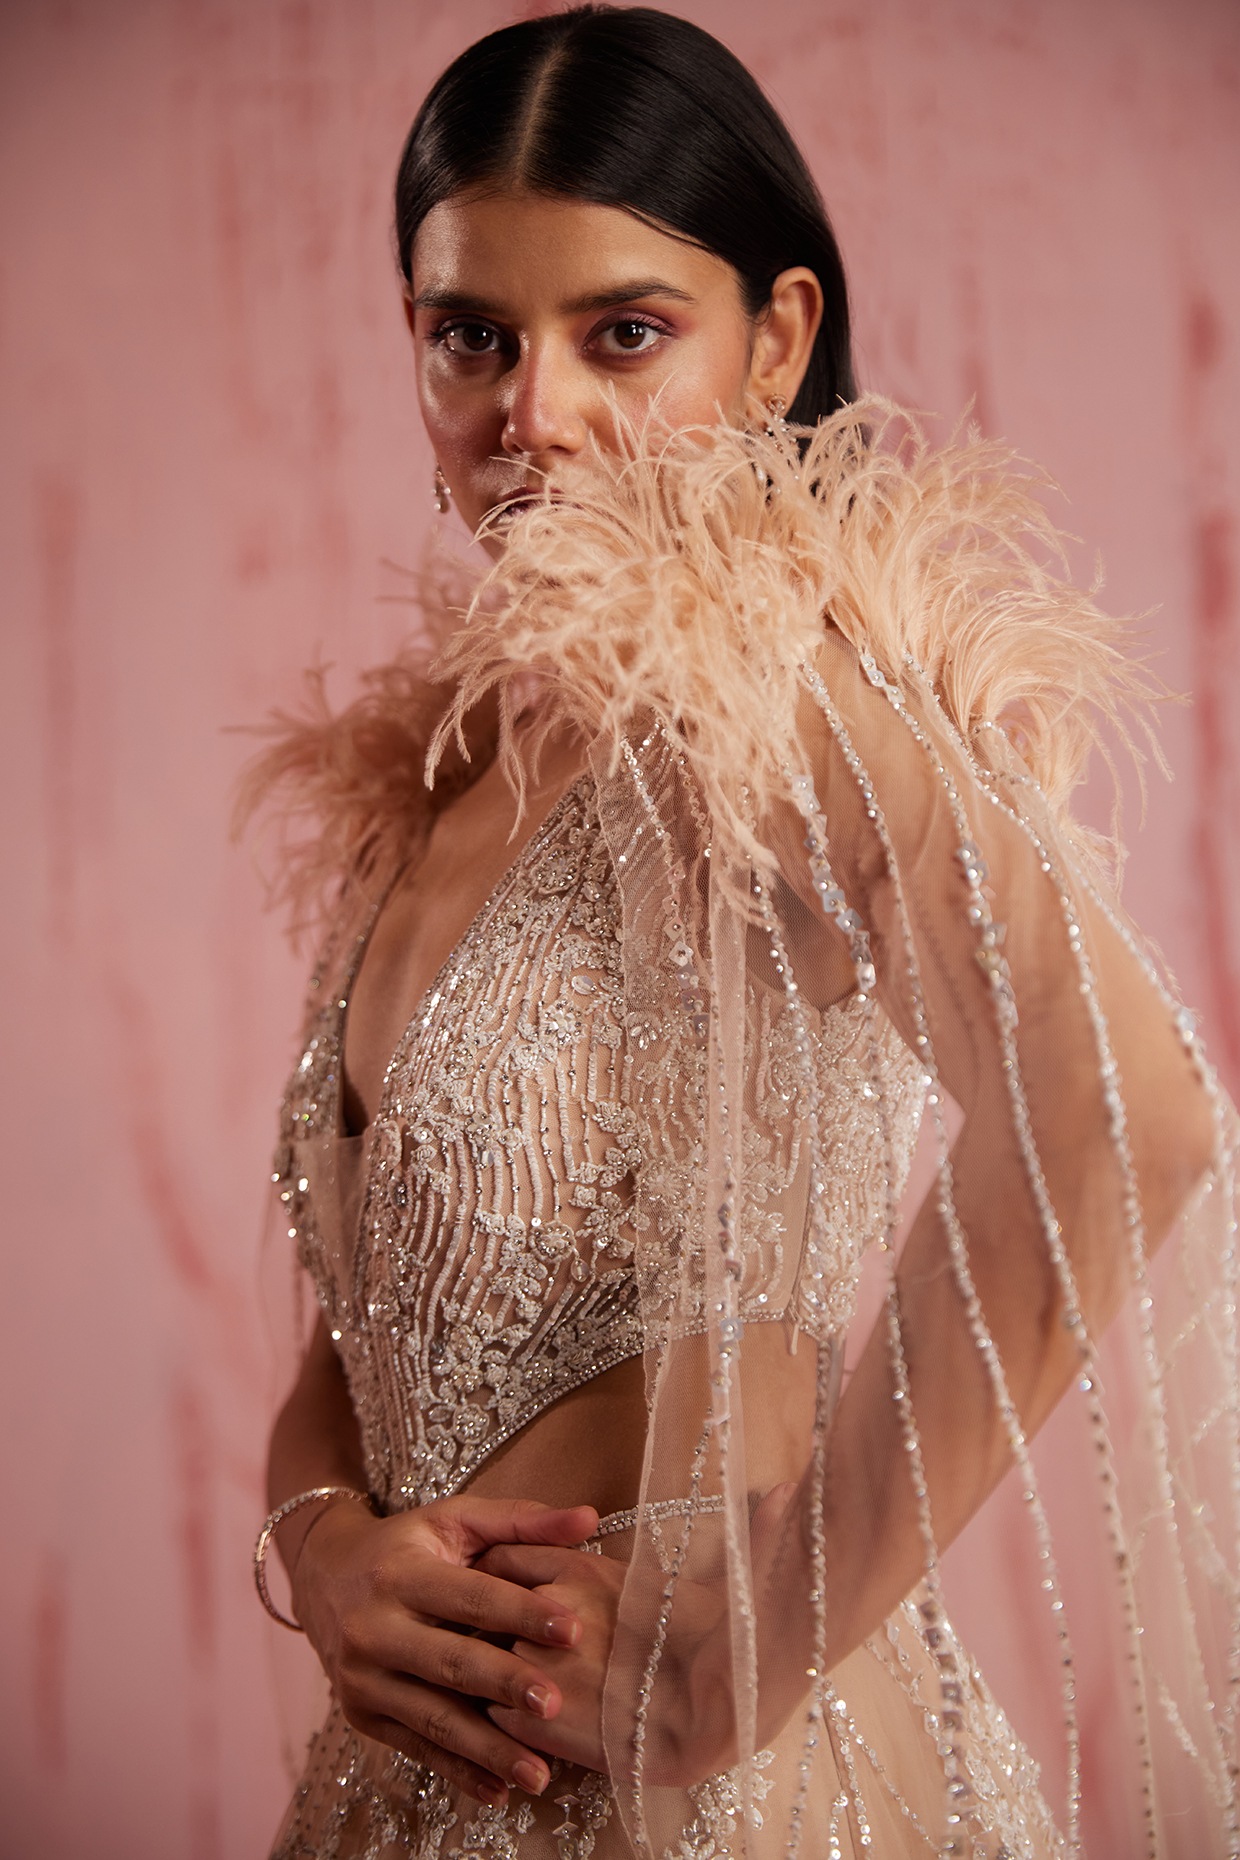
(629, 107)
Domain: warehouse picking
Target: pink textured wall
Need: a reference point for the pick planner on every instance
(210, 447)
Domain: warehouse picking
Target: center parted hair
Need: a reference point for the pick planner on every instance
(633, 108)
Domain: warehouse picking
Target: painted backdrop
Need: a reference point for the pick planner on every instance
(210, 453)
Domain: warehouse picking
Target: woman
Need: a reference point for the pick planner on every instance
(733, 865)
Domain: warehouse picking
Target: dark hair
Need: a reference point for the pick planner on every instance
(633, 108)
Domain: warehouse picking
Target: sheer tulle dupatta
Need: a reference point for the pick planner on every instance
(846, 896)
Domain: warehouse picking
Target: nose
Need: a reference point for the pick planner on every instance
(544, 414)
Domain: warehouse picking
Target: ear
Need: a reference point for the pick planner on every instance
(410, 312)
(784, 336)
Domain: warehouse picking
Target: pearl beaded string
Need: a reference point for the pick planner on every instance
(1135, 1228)
(979, 1330)
(848, 921)
(816, 1671)
(1222, 1168)
(836, 908)
(717, 1430)
(824, 1700)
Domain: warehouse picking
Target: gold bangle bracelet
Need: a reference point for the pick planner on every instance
(273, 1523)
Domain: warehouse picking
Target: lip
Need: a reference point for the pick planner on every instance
(516, 501)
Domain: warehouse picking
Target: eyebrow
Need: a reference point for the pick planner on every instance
(597, 300)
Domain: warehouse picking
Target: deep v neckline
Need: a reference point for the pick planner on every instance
(464, 942)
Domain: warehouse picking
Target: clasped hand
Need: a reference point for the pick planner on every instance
(690, 1716)
(474, 1636)
(419, 1635)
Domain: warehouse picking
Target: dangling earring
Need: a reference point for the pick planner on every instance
(443, 492)
(777, 428)
(776, 408)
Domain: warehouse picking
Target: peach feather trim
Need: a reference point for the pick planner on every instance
(690, 582)
(343, 793)
(693, 579)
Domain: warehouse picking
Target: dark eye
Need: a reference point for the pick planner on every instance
(467, 338)
(631, 335)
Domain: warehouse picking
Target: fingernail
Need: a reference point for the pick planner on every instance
(561, 1632)
(538, 1698)
(492, 1792)
(532, 1777)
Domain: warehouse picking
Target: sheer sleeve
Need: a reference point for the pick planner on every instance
(1089, 1125)
(919, 892)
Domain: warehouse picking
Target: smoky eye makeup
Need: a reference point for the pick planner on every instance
(637, 322)
(461, 330)
(633, 334)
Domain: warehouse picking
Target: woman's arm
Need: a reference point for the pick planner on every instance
(393, 1606)
(314, 1442)
(1086, 1128)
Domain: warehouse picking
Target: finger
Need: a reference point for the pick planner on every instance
(567, 1740)
(769, 1512)
(530, 1564)
(456, 1737)
(482, 1784)
(475, 1669)
(768, 1526)
(472, 1598)
(517, 1724)
(480, 1522)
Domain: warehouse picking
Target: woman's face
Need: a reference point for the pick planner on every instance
(535, 317)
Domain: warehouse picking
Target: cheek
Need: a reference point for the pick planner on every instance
(460, 425)
(458, 446)
(705, 375)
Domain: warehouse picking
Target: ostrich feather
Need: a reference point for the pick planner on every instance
(688, 577)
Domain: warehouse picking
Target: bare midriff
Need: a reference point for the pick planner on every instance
(584, 1450)
(587, 1449)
